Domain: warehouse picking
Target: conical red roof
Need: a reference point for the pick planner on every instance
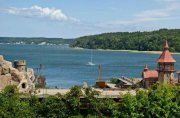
(166, 55)
(166, 45)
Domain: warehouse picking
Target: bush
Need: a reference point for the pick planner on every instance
(114, 80)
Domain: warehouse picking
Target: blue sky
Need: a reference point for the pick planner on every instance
(75, 18)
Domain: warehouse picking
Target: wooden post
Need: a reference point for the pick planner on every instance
(99, 72)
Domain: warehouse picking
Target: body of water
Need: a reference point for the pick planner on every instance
(64, 67)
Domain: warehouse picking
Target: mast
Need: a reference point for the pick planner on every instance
(91, 55)
(40, 69)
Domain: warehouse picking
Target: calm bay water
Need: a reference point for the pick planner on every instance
(64, 67)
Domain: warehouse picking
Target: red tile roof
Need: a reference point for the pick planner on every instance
(178, 72)
(166, 55)
(150, 74)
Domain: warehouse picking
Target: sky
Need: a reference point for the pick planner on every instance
(76, 18)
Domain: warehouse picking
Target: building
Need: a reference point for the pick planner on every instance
(166, 66)
(164, 72)
(20, 65)
(149, 77)
(124, 82)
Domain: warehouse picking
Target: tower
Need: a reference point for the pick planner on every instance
(166, 66)
(99, 73)
(100, 83)
(41, 80)
(20, 65)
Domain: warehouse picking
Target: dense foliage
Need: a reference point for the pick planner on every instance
(36, 40)
(160, 101)
(114, 80)
(142, 41)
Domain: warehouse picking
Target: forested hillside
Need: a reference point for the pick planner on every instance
(142, 41)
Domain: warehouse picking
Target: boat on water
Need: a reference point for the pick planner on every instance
(90, 63)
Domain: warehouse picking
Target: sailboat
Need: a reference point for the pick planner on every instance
(90, 63)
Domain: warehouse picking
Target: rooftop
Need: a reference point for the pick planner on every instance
(150, 74)
(166, 56)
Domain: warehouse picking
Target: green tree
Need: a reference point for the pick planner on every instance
(73, 100)
(93, 103)
(142, 41)
(53, 107)
(142, 103)
(162, 102)
(109, 107)
(12, 106)
(127, 108)
(114, 80)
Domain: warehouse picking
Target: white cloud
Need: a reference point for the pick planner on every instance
(165, 13)
(159, 14)
(167, 0)
(152, 14)
(40, 12)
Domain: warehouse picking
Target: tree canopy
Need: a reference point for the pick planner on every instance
(142, 41)
(159, 101)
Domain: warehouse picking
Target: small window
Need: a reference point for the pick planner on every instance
(23, 85)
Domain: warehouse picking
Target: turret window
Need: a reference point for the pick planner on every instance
(168, 67)
(160, 67)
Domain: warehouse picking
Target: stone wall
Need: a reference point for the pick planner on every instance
(13, 76)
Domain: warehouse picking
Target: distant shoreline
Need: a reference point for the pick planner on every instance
(133, 51)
